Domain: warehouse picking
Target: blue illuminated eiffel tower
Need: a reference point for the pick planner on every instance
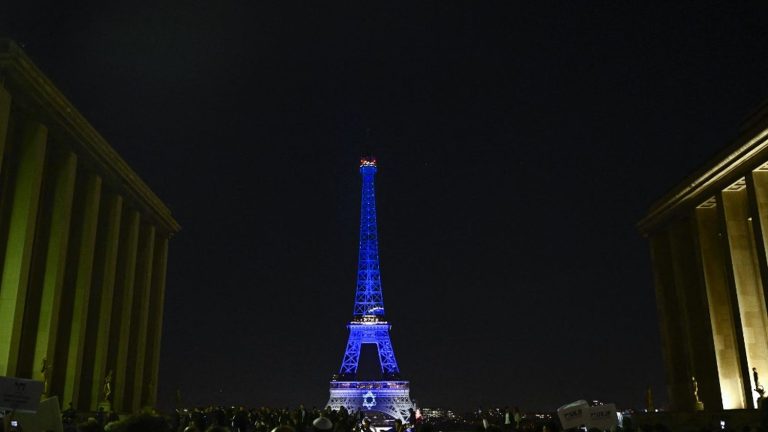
(390, 395)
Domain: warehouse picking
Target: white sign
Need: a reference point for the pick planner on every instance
(573, 414)
(579, 413)
(47, 418)
(603, 417)
(18, 394)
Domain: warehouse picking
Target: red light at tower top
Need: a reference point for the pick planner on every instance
(367, 161)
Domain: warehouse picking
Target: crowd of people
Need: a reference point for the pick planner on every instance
(241, 419)
(231, 419)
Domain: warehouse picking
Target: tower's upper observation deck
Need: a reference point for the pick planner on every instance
(368, 162)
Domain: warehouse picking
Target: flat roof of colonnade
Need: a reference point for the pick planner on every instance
(748, 152)
(34, 92)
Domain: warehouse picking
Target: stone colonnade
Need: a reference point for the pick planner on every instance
(708, 241)
(83, 256)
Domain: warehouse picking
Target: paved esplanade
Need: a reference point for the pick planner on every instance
(390, 395)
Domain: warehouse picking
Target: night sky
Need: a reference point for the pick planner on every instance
(518, 144)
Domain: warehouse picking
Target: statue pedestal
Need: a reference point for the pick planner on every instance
(105, 405)
(699, 406)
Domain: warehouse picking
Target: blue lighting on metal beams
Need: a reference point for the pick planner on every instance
(368, 325)
(368, 297)
(389, 395)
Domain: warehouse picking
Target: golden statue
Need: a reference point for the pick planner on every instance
(759, 389)
(45, 371)
(108, 386)
(699, 405)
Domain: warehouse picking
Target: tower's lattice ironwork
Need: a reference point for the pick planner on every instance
(368, 297)
(390, 395)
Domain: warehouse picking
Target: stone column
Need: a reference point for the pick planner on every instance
(712, 246)
(5, 114)
(124, 282)
(747, 285)
(694, 315)
(18, 248)
(156, 300)
(103, 297)
(62, 177)
(757, 195)
(135, 376)
(675, 353)
(84, 230)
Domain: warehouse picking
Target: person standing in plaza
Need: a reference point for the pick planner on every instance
(518, 417)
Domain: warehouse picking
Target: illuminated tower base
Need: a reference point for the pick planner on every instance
(388, 397)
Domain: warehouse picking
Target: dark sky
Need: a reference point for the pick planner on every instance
(518, 145)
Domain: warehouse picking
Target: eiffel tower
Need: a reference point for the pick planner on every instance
(390, 395)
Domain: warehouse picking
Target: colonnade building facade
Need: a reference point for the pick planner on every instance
(83, 249)
(708, 239)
